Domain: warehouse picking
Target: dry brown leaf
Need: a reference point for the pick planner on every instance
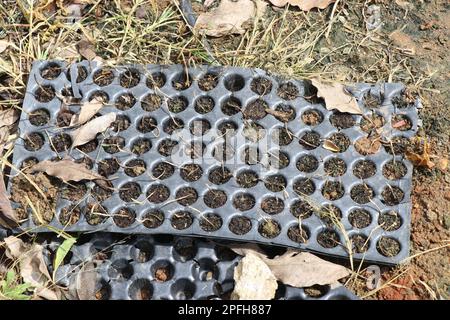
(253, 280)
(423, 159)
(336, 97)
(330, 145)
(368, 145)
(298, 269)
(403, 42)
(304, 5)
(33, 268)
(442, 164)
(303, 269)
(85, 48)
(284, 116)
(66, 170)
(229, 17)
(87, 111)
(8, 217)
(88, 131)
(86, 281)
(4, 45)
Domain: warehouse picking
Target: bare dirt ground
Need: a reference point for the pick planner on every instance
(411, 46)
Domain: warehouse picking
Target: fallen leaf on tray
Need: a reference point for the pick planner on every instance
(336, 97)
(297, 269)
(87, 111)
(304, 5)
(66, 170)
(9, 117)
(229, 17)
(423, 159)
(86, 282)
(8, 217)
(33, 268)
(329, 145)
(61, 253)
(4, 45)
(253, 280)
(89, 130)
(284, 116)
(368, 145)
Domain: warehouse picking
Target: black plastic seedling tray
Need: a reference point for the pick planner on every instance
(237, 184)
(162, 267)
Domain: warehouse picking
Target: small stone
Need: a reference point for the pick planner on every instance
(431, 215)
(447, 195)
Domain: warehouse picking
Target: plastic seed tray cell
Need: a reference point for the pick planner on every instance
(163, 267)
(228, 153)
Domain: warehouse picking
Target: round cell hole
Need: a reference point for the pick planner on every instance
(335, 167)
(261, 86)
(388, 247)
(141, 146)
(234, 82)
(142, 251)
(182, 81)
(227, 128)
(39, 117)
(339, 141)
(208, 81)
(113, 144)
(332, 190)
(107, 167)
(153, 219)
(185, 249)
(362, 193)
(278, 159)
(210, 222)
(102, 290)
(275, 183)
(125, 101)
(329, 214)
(103, 77)
(341, 120)
(304, 186)
(253, 131)
(101, 193)
(272, 205)
(397, 146)
(88, 147)
(69, 215)
(282, 136)
(240, 225)
(158, 193)
(284, 113)
(219, 175)
(223, 152)
(401, 122)
(392, 195)
(140, 289)
(390, 220)
(120, 270)
(288, 91)
(100, 96)
(156, 80)
(130, 191)
(372, 122)
(373, 101)
(167, 147)
(130, 78)
(195, 149)
(51, 71)
(301, 209)
(199, 127)
(95, 214)
(215, 198)
(360, 218)
(173, 124)
(256, 110)
(244, 201)
(394, 170)
(44, 93)
(312, 117)
(162, 271)
(135, 168)
(61, 142)
(367, 146)
(328, 238)
(191, 172)
(204, 104)
(63, 118)
(251, 155)
(231, 106)
(364, 169)
(183, 289)
(181, 220)
(298, 234)
(75, 191)
(360, 243)
(177, 104)
(269, 228)
(310, 140)
(247, 179)
(121, 123)
(207, 269)
(124, 217)
(151, 102)
(186, 196)
(33, 141)
(307, 163)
